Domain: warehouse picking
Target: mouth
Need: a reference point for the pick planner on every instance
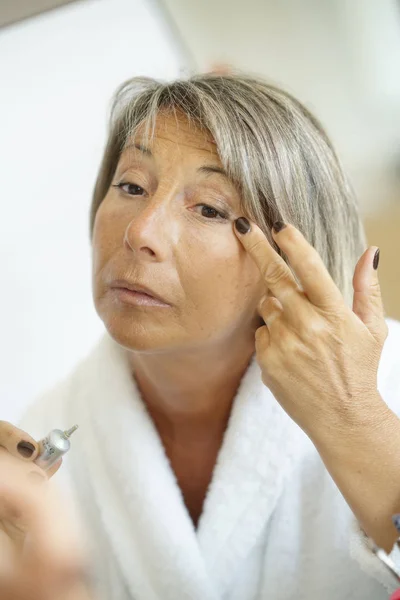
(137, 294)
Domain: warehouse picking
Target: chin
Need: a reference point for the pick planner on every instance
(130, 335)
(137, 332)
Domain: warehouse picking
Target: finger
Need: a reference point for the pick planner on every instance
(262, 340)
(12, 466)
(308, 266)
(270, 309)
(54, 468)
(276, 273)
(81, 590)
(18, 443)
(50, 560)
(367, 299)
(16, 472)
(52, 548)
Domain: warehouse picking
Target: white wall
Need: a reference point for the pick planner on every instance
(57, 75)
(339, 57)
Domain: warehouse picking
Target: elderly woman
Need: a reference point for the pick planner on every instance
(238, 433)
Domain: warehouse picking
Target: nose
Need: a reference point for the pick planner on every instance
(148, 233)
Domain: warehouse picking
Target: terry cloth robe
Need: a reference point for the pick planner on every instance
(274, 525)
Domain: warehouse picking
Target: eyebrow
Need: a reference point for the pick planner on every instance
(139, 147)
(206, 169)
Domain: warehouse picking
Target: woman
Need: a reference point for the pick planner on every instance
(236, 437)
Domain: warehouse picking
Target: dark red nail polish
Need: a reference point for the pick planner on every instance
(242, 225)
(278, 226)
(376, 259)
(26, 449)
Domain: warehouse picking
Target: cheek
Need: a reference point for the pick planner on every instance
(217, 276)
(107, 236)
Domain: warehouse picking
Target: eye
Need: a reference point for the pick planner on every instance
(134, 189)
(210, 209)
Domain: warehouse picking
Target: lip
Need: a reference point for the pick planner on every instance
(141, 293)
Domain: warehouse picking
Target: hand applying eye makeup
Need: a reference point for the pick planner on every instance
(320, 359)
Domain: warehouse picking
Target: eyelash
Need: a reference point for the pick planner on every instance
(222, 214)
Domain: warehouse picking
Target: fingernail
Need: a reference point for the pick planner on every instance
(278, 226)
(376, 259)
(396, 521)
(242, 225)
(26, 449)
(35, 477)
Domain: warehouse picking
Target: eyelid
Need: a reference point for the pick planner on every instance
(124, 182)
(219, 195)
(222, 204)
(134, 180)
(135, 172)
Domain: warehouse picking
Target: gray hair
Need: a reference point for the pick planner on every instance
(274, 150)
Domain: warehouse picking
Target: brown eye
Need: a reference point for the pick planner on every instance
(132, 188)
(211, 213)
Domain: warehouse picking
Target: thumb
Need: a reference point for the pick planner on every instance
(367, 299)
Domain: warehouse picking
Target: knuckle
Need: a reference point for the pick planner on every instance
(375, 286)
(273, 303)
(270, 305)
(6, 430)
(273, 272)
(289, 344)
(257, 246)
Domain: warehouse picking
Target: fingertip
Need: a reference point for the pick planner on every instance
(27, 449)
(17, 442)
(375, 261)
(242, 225)
(278, 226)
(54, 468)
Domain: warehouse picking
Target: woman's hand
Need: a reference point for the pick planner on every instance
(320, 359)
(40, 557)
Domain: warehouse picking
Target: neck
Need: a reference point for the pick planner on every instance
(189, 394)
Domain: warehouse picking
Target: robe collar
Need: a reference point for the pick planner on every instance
(134, 489)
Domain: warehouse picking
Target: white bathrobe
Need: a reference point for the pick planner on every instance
(274, 526)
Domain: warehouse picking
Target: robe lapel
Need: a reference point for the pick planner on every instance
(257, 455)
(140, 504)
(133, 487)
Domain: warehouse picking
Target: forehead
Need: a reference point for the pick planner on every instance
(176, 129)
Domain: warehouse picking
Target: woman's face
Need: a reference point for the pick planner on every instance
(167, 223)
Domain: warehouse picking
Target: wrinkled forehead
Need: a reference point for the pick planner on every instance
(173, 129)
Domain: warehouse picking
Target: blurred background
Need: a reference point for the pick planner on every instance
(61, 61)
